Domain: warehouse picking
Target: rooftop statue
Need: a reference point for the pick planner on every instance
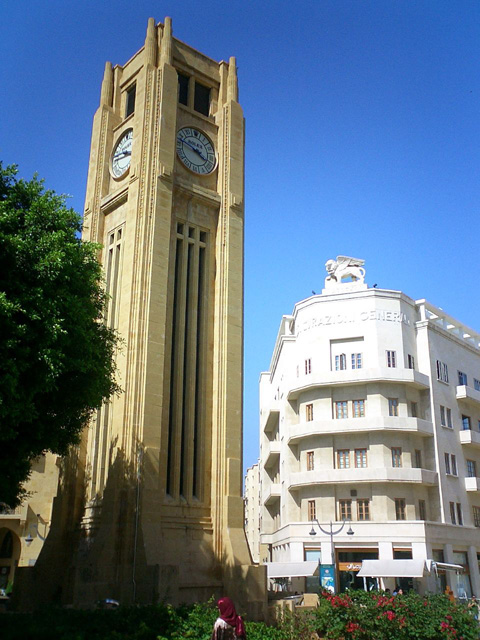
(344, 267)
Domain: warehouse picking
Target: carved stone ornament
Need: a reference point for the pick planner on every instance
(344, 267)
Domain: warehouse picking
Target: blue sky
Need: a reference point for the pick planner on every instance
(363, 139)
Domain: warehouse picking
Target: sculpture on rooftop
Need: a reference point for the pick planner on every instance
(344, 267)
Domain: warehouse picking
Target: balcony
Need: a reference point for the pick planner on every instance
(272, 493)
(472, 484)
(361, 376)
(19, 513)
(273, 417)
(423, 428)
(406, 475)
(272, 453)
(469, 395)
(470, 437)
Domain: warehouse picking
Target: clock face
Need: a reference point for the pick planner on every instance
(196, 151)
(122, 154)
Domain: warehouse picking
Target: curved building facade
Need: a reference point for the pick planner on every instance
(370, 415)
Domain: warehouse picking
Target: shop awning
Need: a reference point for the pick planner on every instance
(445, 566)
(292, 569)
(392, 568)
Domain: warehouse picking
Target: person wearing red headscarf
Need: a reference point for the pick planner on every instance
(228, 626)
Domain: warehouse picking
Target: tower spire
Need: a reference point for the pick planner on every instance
(166, 55)
(106, 95)
(151, 43)
(232, 84)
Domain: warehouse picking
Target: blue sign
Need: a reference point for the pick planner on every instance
(327, 577)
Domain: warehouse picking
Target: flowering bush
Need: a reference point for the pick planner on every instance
(366, 616)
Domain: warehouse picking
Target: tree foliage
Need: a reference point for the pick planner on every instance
(56, 353)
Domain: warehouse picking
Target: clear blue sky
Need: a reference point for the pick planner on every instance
(363, 138)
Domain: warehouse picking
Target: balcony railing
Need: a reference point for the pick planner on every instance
(408, 475)
(409, 377)
(472, 484)
(470, 437)
(420, 427)
(472, 396)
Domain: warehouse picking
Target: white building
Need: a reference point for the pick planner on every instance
(252, 510)
(370, 413)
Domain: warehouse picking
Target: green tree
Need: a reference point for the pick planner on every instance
(56, 353)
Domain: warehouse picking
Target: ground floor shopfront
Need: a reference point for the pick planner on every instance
(430, 564)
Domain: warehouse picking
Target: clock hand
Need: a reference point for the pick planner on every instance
(194, 149)
(122, 153)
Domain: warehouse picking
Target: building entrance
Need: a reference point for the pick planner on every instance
(349, 564)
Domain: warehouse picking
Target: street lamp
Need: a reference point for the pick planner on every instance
(331, 533)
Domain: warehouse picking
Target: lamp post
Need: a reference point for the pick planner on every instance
(330, 575)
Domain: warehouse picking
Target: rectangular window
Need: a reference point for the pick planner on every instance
(443, 420)
(358, 407)
(343, 459)
(453, 462)
(360, 458)
(466, 426)
(396, 456)
(308, 366)
(363, 509)
(130, 101)
(341, 410)
(310, 460)
(449, 418)
(459, 514)
(400, 509)
(345, 508)
(340, 362)
(418, 459)
(356, 360)
(471, 469)
(476, 516)
(312, 512)
(393, 406)
(447, 463)
(453, 517)
(476, 384)
(411, 361)
(201, 102)
(414, 409)
(442, 371)
(391, 359)
(422, 510)
(478, 425)
(462, 378)
(309, 412)
(183, 82)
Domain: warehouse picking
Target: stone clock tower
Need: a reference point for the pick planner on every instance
(158, 475)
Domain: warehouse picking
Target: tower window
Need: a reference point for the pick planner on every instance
(201, 101)
(130, 102)
(183, 82)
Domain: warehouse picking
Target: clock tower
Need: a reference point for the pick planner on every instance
(158, 474)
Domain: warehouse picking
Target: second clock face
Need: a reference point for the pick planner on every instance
(195, 150)
(122, 154)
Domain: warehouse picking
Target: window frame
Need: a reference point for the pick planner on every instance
(309, 412)
(344, 508)
(362, 459)
(393, 404)
(471, 468)
(341, 362)
(357, 361)
(462, 379)
(360, 404)
(310, 460)
(422, 509)
(343, 454)
(400, 509)
(311, 510)
(453, 515)
(391, 357)
(363, 509)
(343, 406)
(396, 457)
(442, 372)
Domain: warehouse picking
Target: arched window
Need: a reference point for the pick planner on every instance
(6, 548)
